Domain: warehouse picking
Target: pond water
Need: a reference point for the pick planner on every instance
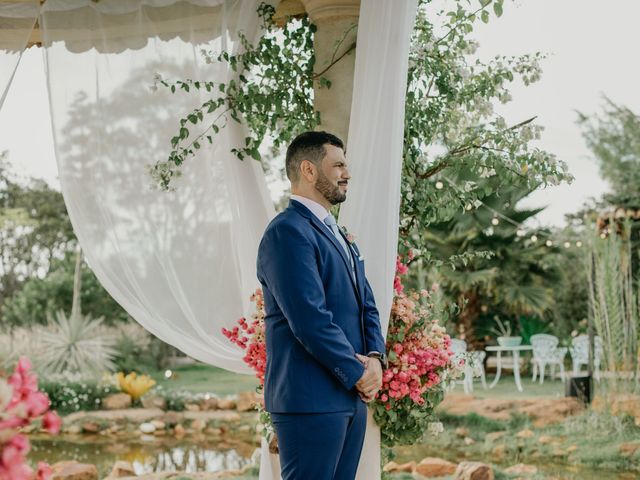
(147, 454)
(152, 454)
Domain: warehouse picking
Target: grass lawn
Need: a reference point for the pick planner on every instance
(201, 378)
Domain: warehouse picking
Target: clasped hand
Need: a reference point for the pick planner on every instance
(371, 380)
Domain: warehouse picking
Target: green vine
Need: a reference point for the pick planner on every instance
(271, 92)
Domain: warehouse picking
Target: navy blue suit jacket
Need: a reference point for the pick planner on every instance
(316, 316)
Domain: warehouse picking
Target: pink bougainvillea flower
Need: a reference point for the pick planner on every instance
(51, 422)
(44, 471)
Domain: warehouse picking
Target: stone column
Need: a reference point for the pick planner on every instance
(337, 24)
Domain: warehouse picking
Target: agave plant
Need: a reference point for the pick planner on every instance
(76, 344)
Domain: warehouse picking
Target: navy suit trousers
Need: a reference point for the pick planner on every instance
(321, 446)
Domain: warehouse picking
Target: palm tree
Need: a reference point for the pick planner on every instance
(489, 267)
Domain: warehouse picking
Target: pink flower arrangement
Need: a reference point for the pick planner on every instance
(420, 362)
(249, 336)
(20, 404)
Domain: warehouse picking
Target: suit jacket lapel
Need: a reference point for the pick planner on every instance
(324, 230)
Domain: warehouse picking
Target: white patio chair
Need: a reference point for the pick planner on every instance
(579, 351)
(473, 361)
(546, 352)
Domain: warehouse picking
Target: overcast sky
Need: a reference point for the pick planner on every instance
(592, 47)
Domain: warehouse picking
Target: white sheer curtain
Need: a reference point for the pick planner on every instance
(374, 152)
(181, 263)
(16, 24)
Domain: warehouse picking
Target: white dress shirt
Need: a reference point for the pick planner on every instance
(317, 209)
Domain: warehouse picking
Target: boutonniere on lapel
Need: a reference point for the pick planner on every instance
(351, 238)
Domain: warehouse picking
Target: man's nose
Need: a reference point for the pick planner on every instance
(346, 174)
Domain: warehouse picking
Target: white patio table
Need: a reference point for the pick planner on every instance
(515, 351)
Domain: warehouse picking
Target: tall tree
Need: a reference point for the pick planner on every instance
(614, 138)
(34, 229)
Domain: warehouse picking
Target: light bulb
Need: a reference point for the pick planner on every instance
(578, 244)
(439, 185)
(549, 243)
(567, 244)
(495, 221)
(534, 238)
(520, 232)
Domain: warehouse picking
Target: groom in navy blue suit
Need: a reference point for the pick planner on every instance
(325, 349)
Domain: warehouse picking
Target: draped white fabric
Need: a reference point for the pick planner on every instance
(374, 153)
(181, 263)
(16, 23)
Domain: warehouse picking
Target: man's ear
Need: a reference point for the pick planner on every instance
(308, 170)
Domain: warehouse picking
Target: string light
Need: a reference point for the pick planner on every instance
(498, 216)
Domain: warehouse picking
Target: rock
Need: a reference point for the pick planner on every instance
(246, 401)
(558, 452)
(545, 439)
(525, 434)
(629, 448)
(178, 431)
(147, 427)
(244, 428)
(226, 404)
(90, 427)
(393, 467)
(159, 433)
(209, 404)
(493, 436)
(473, 471)
(73, 429)
(572, 448)
(469, 441)
(218, 432)
(498, 452)
(462, 432)
(159, 424)
(154, 401)
(434, 467)
(72, 470)
(116, 401)
(170, 419)
(522, 469)
(122, 469)
(198, 425)
(192, 407)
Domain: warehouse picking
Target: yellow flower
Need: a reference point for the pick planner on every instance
(135, 385)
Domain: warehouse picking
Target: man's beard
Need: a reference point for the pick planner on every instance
(329, 191)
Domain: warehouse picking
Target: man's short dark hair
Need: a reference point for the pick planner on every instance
(308, 146)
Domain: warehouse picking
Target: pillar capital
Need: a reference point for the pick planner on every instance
(322, 10)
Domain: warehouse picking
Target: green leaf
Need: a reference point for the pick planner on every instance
(497, 8)
(484, 16)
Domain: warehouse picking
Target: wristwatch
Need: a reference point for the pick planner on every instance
(380, 356)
